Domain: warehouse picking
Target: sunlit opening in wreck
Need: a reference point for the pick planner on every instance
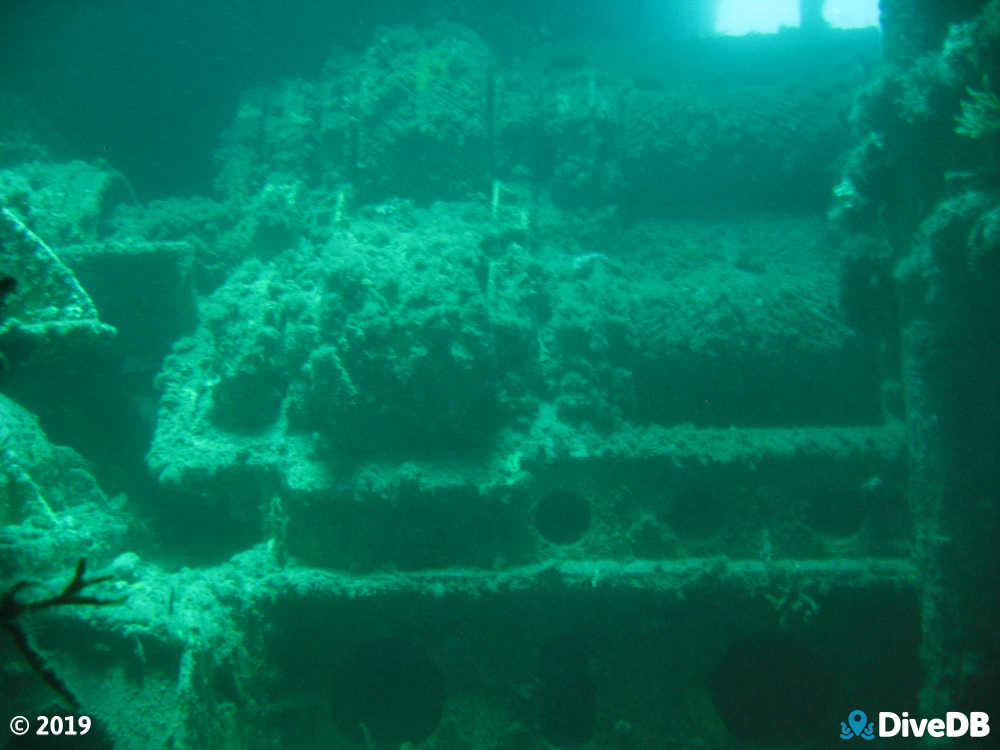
(738, 17)
(851, 14)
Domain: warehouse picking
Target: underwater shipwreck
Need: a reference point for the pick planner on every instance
(582, 398)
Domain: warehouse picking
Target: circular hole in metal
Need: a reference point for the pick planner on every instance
(387, 693)
(568, 694)
(838, 511)
(562, 516)
(695, 512)
(772, 689)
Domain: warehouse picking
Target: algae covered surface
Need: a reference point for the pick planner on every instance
(454, 377)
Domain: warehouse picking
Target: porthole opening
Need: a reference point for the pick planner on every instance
(387, 693)
(695, 512)
(562, 516)
(568, 694)
(771, 689)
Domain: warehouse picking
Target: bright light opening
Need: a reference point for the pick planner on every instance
(738, 17)
(851, 14)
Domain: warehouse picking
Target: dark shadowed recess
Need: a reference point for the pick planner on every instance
(386, 693)
(794, 685)
(568, 694)
(562, 516)
(150, 85)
